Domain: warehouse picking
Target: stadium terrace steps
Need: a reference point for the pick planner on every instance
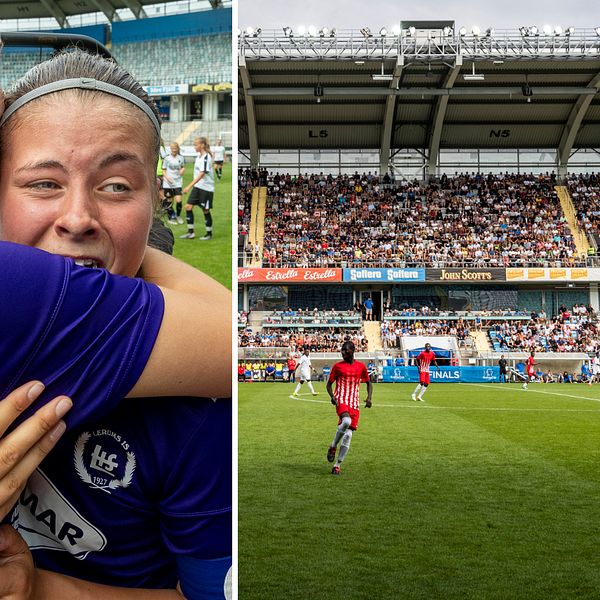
(373, 335)
(581, 242)
(257, 223)
(482, 344)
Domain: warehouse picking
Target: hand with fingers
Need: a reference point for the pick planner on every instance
(24, 448)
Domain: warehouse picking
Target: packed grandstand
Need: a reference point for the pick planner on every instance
(378, 175)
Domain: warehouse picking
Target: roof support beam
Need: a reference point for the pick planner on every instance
(573, 125)
(250, 112)
(439, 114)
(135, 6)
(388, 119)
(424, 92)
(109, 11)
(56, 12)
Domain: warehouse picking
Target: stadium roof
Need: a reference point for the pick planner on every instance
(62, 9)
(424, 88)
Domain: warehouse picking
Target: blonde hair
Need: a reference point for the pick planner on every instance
(204, 140)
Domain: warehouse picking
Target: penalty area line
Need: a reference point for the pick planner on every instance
(530, 390)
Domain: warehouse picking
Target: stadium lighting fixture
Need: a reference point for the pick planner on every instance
(533, 30)
(597, 30)
(475, 30)
(489, 32)
(249, 31)
(547, 30)
(447, 31)
(474, 76)
(301, 30)
(558, 30)
(312, 31)
(324, 31)
(396, 29)
(462, 31)
(287, 31)
(318, 90)
(383, 32)
(524, 31)
(570, 30)
(412, 30)
(333, 32)
(366, 32)
(257, 32)
(527, 92)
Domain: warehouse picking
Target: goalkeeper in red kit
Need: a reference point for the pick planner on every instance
(424, 360)
(347, 375)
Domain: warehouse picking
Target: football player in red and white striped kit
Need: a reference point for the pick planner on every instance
(424, 359)
(347, 375)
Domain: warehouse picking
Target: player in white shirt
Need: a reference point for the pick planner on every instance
(220, 157)
(596, 368)
(173, 169)
(304, 370)
(203, 189)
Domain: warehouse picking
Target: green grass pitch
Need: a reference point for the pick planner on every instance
(482, 491)
(212, 257)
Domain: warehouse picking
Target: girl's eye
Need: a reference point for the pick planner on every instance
(116, 188)
(43, 185)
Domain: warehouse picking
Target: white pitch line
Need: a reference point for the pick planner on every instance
(532, 389)
(472, 408)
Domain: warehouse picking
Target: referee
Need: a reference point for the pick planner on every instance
(503, 368)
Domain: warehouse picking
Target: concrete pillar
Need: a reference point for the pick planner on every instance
(210, 107)
(594, 299)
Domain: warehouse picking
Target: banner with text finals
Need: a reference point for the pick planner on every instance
(277, 276)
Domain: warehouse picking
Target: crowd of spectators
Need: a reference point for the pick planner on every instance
(571, 330)
(585, 192)
(321, 340)
(469, 219)
(311, 317)
(393, 331)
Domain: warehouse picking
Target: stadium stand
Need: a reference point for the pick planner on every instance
(585, 192)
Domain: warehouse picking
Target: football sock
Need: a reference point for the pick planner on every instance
(310, 385)
(179, 206)
(189, 217)
(341, 430)
(297, 388)
(344, 447)
(208, 221)
(423, 390)
(417, 389)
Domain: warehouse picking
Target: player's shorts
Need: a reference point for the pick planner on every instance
(201, 198)
(304, 376)
(530, 375)
(218, 163)
(172, 192)
(353, 412)
(424, 378)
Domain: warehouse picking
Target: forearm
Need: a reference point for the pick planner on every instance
(194, 343)
(53, 585)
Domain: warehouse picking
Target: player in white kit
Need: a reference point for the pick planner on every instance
(219, 158)
(304, 370)
(173, 169)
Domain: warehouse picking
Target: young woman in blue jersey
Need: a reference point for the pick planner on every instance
(172, 183)
(140, 499)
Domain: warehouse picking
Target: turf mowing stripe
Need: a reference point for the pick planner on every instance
(488, 386)
(474, 408)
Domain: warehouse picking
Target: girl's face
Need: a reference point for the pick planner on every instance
(174, 149)
(77, 178)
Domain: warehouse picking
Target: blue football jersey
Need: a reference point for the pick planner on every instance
(83, 332)
(117, 502)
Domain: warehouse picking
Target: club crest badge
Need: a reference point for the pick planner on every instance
(104, 460)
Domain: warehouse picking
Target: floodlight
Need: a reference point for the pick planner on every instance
(412, 30)
(383, 32)
(558, 30)
(475, 30)
(474, 76)
(447, 31)
(489, 32)
(462, 31)
(312, 31)
(547, 30)
(287, 31)
(524, 31)
(382, 77)
(301, 30)
(318, 90)
(570, 30)
(366, 32)
(257, 32)
(324, 31)
(249, 31)
(396, 29)
(533, 30)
